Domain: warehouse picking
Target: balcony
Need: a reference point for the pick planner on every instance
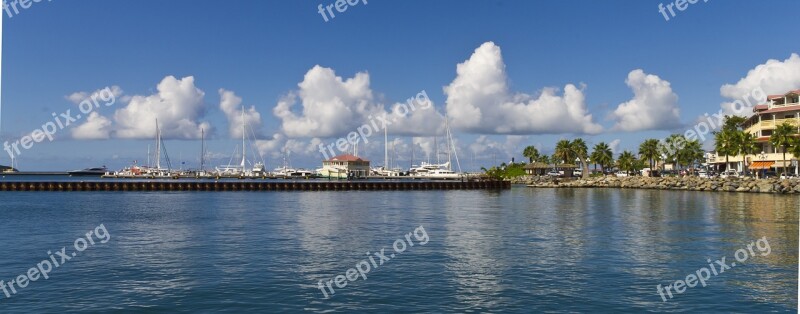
(751, 157)
(770, 124)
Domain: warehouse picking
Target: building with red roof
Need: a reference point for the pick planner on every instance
(778, 109)
(345, 166)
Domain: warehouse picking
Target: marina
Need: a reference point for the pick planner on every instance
(538, 157)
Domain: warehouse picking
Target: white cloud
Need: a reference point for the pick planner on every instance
(96, 127)
(327, 106)
(178, 106)
(420, 122)
(230, 104)
(483, 146)
(78, 97)
(774, 77)
(614, 146)
(331, 106)
(479, 101)
(654, 105)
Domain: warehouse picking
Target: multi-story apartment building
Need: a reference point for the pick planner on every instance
(779, 109)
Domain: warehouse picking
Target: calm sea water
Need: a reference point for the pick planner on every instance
(523, 251)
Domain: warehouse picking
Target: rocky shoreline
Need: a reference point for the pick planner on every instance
(749, 185)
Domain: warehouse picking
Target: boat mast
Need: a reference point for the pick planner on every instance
(436, 144)
(453, 148)
(412, 152)
(385, 147)
(202, 148)
(158, 146)
(449, 145)
(243, 141)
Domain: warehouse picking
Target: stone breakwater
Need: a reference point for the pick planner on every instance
(219, 186)
(671, 183)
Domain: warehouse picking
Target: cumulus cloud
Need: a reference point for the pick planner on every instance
(78, 97)
(331, 106)
(272, 146)
(230, 104)
(421, 122)
(178, 105)
(327, 105)
(654, 105)
(479, 101)
(96, 127)
(774, 77)
(614, 146)
(484, 146)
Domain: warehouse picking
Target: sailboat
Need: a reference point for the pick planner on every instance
(439, 170)
(386, 170)
(241, 169)
(149, 170)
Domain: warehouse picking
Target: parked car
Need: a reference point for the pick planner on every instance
(621, 174)
(577, 173)
(770, 174)
(554, 174)
(785, 176)
(703, 174)
(729, 174)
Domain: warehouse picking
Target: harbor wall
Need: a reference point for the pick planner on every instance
(253, 186)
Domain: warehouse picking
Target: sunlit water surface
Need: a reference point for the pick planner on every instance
(523, 250)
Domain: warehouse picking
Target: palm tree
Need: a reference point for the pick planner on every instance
(531, 152)
(795, 149)
(543, 158)
(626, 161)
(671, 147)
(649, 150)
(638, 164)
(732, 123)
(580, 150)
(745, 144)
(691, 152)
(563, 152)
(602, 155)
(783, 136)
(725, 143)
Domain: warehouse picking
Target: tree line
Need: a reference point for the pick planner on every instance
(676, 149)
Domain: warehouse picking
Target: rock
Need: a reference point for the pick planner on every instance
(765, 187)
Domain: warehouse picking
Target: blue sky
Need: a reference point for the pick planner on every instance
(262, 50)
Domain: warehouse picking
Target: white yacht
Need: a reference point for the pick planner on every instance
(240, 170)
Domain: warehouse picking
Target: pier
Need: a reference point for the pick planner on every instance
(221, 186)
